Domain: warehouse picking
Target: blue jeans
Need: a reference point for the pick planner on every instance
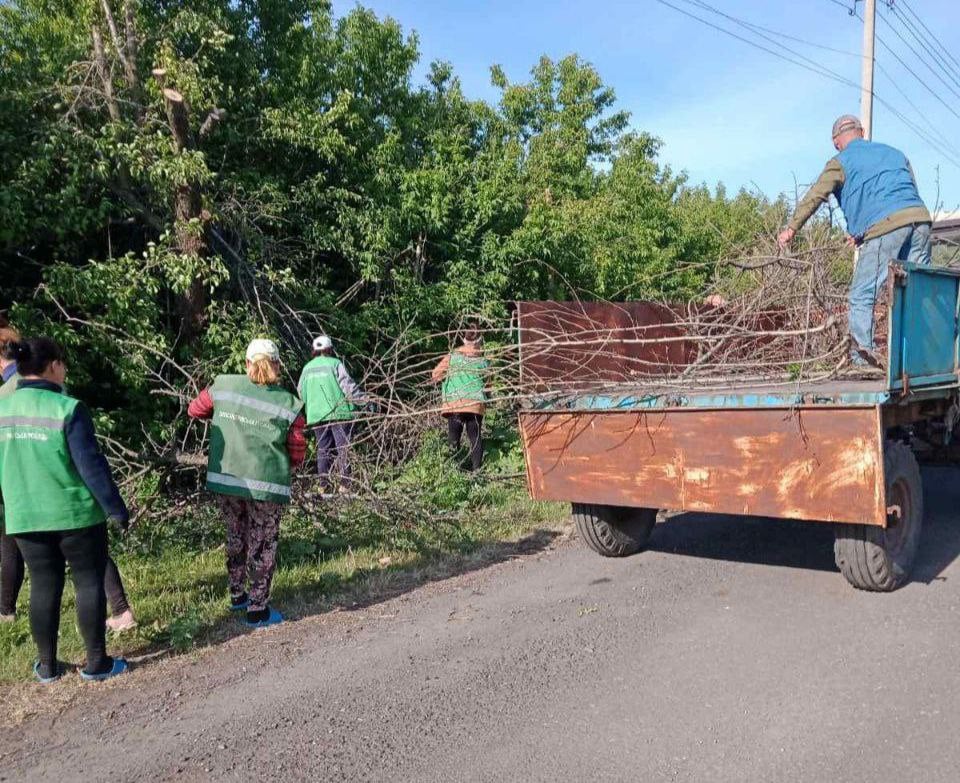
(910, 243)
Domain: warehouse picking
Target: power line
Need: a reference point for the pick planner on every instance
(945, 149)
(946, 51)
(919, 56)
(945, 145)
(810, 64)
(902, 62)
(942, 138)
(852, 10)
(813, 68)
(794, 38)
(917, 76)
(754, 43)
(938, 59)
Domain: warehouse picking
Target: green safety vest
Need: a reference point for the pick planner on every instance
(248, 440)
(42, 489)
(321, 392)
(464, 381)
(8, 387)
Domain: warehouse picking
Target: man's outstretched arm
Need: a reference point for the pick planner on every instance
(829, 183)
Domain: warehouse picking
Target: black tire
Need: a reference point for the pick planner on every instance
(614, 531)
(880, 559)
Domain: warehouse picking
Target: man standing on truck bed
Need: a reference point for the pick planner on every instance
(886, 218)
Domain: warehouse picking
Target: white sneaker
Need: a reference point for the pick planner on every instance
(122, 622)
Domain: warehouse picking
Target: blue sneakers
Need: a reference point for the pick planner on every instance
(273, 618)
(61, 670)
(120, 665)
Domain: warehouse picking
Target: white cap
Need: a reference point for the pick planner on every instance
(322, 343)
(263, 347)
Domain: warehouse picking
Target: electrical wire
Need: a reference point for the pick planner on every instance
(941, 137)
(915, 75)
(925, 44)
(919, 56)
(916, 16)
(826, 72)
(804, 62)
(852, 10)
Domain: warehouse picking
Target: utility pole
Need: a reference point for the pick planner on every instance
(866, 95)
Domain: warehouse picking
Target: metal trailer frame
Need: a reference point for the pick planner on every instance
(804, 451)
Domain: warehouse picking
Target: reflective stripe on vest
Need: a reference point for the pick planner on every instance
(252, 484)
(253, 402)
(248, 439)
(32, 421)
(42, 489)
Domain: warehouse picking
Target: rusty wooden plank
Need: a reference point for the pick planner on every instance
(806, 463)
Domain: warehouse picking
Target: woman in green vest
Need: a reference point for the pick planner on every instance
(256, 438)
(11, 561)
(330, 399)
(57, 493)
(461, 375)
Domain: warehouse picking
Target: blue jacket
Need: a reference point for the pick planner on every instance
(878, 181)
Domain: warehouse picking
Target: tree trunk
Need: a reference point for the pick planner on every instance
(189, 231)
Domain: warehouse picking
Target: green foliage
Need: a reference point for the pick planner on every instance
(329, 167)
(327, 183)
(331, 185)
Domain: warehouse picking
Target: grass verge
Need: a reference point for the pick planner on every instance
(176, 577)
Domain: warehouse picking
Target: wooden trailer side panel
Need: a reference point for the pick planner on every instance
(821, 464)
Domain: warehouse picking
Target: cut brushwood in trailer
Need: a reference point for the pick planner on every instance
(635, 407)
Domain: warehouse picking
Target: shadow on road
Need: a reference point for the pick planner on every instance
(775, 542)
(391, 583)
(809, 545)
(940, 541)
(363, 587)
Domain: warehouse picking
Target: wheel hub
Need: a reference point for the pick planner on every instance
(899, 516)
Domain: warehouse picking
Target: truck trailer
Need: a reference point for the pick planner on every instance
(838, 451)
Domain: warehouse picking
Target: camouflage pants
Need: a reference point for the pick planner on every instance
(253, 528)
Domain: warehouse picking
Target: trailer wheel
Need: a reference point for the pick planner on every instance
(614, 531)
(875, 558)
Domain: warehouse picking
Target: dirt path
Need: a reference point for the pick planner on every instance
(731, 651)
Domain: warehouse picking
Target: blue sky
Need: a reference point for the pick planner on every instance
(724, 110)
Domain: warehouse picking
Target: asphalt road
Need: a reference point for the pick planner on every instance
(731, 651)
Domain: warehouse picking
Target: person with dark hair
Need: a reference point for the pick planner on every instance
(256, 438)
(11, 561)
(58, 493)
(330, 397)
(461, 375)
